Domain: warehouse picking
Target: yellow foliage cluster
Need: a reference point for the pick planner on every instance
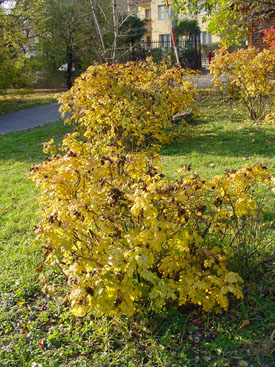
(129, 104)
(127, 239)
(251, 77)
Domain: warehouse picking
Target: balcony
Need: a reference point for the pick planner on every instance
(140, 3)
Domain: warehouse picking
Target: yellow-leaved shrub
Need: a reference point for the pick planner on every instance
(250, 75)
(127, 239)
(129, 104)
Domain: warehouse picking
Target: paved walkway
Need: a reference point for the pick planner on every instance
(38, 116)
(29, 118)
(204, 81)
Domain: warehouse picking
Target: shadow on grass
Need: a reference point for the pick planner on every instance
(27, 145)
(178, 339)
(189, 337)
(238, 143)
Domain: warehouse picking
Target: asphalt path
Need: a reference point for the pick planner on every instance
(29, 118)
(38, 116)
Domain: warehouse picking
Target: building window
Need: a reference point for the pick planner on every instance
(148, 41)
(165, 40)
(203, 38)
(148, 14)
(206, 37)
(163, 12)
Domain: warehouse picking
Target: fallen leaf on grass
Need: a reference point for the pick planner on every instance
(136, 333)
(184, 169)
(41, 344)
(40, 268)
(243, 363)
(198, 321)
(244, 324)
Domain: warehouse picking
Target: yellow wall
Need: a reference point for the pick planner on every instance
(156, 26)
(203, 27)
(160, 26)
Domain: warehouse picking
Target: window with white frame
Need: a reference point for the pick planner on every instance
(206, 37)
(165, 40)
(163, 12)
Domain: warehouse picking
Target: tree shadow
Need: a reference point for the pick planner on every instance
(238, 143)
(27, 145)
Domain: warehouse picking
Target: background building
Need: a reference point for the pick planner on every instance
(158, 22)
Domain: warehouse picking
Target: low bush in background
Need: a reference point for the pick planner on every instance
(131, 104)
(250, 75)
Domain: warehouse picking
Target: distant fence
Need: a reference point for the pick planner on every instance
(189, 52)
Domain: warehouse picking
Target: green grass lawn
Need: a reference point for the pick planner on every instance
(37, 330)
(19, 99)
(224, 136)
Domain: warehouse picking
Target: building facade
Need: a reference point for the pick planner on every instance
(158, 22)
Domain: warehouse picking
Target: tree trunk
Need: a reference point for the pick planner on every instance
(115, 30)
(69, 67)
(98, 30)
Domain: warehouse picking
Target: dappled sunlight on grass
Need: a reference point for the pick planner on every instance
(216, 142)
(18, 99)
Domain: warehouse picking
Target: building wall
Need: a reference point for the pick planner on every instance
(160, 26)
(157, 27)
(210, 38)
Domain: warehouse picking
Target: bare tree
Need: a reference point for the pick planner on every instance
(110, 28)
